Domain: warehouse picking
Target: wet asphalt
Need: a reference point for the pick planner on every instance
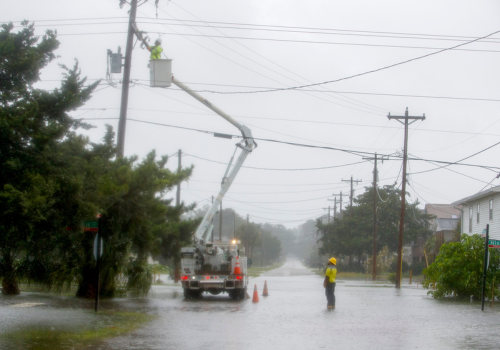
(293, 316)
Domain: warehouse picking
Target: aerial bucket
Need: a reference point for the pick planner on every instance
(160, 73)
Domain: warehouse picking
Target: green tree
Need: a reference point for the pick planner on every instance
(268, 251)
(52, 179)
(458, 269)
(286, 236)
(32, 124)
(353, 235)
(136, 222)
(250, 235)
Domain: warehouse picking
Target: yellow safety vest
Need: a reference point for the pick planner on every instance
(156, 52)
(331, 273)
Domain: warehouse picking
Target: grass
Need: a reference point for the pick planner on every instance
(363, 276)
(255, 271)
(109, 324)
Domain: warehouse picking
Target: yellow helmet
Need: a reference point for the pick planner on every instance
(333, 261)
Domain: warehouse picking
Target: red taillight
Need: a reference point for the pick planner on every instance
(208, 277)
(183, 278)
(239, 277)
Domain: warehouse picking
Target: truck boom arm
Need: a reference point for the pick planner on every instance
(246, 145)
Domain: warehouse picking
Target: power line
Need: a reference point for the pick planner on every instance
(253, 25)
(306, 42)
(287, 192)
(359, 103)
(353, 152)
(248, 58)
(458, 161)
(312, 90)
(367, 72)
(279, 169)
(303, 121)
(206, 24)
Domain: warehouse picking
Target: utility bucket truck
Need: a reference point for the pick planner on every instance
(216, 266)
(208, 266)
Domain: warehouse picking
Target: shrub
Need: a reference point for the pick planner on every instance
(394, 265)
(458, 269)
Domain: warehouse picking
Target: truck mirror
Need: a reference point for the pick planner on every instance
(249, 262)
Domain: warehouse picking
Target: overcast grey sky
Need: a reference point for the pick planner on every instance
(243, 46)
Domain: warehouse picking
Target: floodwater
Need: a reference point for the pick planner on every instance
(293, 316)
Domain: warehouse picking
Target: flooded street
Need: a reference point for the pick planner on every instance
(294, 316)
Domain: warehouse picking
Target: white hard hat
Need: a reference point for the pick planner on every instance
(158, 40)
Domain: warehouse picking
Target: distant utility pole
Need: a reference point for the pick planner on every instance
(179, 164)
(220, 222)
(334, 208)
(328, 211)
(177, 275)
(403, 190)
(340, 213)
(120, 143)
(352, 191)
(375, 179)
(335, 201)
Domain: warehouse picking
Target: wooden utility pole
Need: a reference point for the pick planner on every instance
(120, 139)
(375, 201)
(374, 271)
(177, 274)
(334, 208)
(352, 191)
(340, 213)
(234, 224)
(220, 222)
(406, 117)
(179, 165)
(328, 210)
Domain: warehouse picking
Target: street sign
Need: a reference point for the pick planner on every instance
(90, 226)
(493, 243)
(95, 247)
(483, 234)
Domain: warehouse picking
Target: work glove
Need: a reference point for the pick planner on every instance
(324, 284)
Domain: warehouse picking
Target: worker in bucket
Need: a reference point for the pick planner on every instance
(155, 50)
(329, 283)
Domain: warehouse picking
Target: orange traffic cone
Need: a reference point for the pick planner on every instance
(237, 269)
(265, 293)
(255, 295)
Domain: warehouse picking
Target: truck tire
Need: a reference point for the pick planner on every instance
(191, 294)
(235, 294)
(243, 293)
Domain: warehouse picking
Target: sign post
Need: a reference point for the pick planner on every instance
(485, 265)
(98, 247)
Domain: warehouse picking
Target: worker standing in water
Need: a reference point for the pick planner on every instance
(156, 50)
(329, 283)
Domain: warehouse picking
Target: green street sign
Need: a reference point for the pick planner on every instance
(493, 243)
(90, 226)
(483, 233)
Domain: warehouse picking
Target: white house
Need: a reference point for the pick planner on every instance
(479, 210)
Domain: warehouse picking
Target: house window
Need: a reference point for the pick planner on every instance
(491, 209)
(477, 215)
(470, 219)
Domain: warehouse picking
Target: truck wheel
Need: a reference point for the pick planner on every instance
(242, 293)
(235, 294)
